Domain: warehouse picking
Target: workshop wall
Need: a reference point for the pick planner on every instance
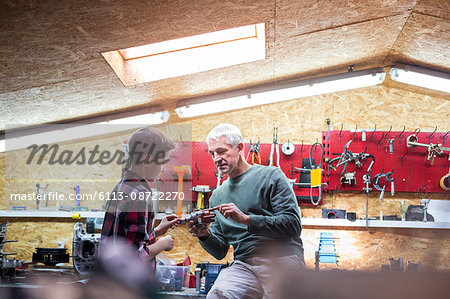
(298, 120)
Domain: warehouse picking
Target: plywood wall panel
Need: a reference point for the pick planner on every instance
(298, 18)
(356, 41)
(424, 39)
(33, 233)
(299, 120)
(187, 245)
(438, 8)
(54, 69)
(304, 119)
(358, 249)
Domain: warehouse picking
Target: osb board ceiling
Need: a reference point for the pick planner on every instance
(53, 70)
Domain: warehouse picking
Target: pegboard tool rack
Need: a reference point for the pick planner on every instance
(409, 166)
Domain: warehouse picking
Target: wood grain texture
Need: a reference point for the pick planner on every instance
(418, 41)
(53, 70)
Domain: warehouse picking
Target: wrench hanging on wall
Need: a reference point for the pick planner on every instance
(433, 149)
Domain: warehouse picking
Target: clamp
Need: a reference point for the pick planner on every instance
(376, 181)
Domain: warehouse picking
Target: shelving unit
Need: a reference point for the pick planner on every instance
(306, 222)
(373, 223)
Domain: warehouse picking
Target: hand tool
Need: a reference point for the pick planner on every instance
(197, 217)
(367, 189)
(348, 156)
(181, 171)
(376, 181)
(423, 192)
(391, 146)
(201, 190)
(253, 153)
(433, 149)
(316, 174)
(328, 122)
(274, 146)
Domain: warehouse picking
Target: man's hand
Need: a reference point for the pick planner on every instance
(168, 221)
(203, 232)
(230, 210)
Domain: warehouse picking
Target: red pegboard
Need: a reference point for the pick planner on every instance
(410, 172)
(202, 168)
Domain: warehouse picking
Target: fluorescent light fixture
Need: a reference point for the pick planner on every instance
(155, 118)
(17, 139)
(421, 77)
(278, 92)
(188, 55)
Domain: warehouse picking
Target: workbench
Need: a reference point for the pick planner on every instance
(185, 293)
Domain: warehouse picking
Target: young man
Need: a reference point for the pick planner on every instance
(258, 216)
(129, 214)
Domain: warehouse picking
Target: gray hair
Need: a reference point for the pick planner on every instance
(232, 134)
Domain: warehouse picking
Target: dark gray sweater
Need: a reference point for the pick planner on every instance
(264, 194)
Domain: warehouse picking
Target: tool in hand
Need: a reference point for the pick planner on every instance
(198, 218)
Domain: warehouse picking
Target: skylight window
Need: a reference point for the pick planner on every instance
(188, 55)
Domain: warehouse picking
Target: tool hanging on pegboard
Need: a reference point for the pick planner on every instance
(433, 149)
(444, 182)
(389, 179)
(288, 148)
(276, 147)
(254, 156)
(405, 158)
(315, 171)
(209, 175)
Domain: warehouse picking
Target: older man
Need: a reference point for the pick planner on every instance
(258, 216)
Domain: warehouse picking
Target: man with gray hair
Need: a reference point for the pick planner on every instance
(257, 214)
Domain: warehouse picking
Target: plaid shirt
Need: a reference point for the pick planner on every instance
(129, 213)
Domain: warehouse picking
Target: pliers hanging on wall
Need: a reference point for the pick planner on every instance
(253, 153)
(277, 149)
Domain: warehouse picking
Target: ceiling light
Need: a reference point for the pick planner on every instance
(48, 134)
(277, 92)
(421, 77)
(143, 119)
